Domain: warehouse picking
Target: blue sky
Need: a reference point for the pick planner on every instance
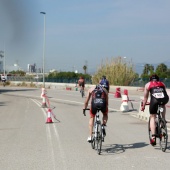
(80, 32)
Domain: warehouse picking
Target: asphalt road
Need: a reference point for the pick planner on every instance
(27, 142)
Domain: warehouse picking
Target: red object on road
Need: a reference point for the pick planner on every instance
(126, 92)
(118, 93)
(49, 119)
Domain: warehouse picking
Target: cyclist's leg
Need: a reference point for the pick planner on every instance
(153, 110)
(105, 119)
(152, 123)
(164, 111)
(105, 116)
(91, 123)
(164, 101)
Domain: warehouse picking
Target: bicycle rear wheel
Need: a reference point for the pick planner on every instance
(99, 138)
(149, 131)
(163, 135)
(82, 93)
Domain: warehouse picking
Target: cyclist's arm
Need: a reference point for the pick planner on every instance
(79, 83)
(88, 98)
(146, 94)
(107, 100)
(108, 86)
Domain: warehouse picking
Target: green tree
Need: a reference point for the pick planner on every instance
(168, 73)
(161, 70)
(147, 71)
(85, 69)
(117, 71)
(151, 69)
(1, 54)
(18, 72)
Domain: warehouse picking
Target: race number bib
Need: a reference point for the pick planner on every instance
(98, 100)
(158, 95)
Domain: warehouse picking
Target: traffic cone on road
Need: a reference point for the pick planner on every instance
(49, 119)
(44, 105)
(124, 106)
(118, 93)
(43, 96)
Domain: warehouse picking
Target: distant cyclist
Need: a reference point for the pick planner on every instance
(104, 82)
(81, 83)
(99, 99)
(3, 78)
(158, 95)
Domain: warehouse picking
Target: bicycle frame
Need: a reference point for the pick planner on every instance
(161, 129)
(82, 91)
(97, 134)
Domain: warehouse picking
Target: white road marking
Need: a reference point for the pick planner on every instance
(49, 138)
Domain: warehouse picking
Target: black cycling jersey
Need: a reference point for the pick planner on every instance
(158, 95)
(98, 101)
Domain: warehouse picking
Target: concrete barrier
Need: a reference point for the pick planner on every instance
(144, 115)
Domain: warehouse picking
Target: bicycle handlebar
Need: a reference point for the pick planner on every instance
(84, 111)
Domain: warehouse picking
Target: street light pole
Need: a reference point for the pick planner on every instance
(44, 51)
(4, 60)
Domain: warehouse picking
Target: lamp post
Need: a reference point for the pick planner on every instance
(44, 52)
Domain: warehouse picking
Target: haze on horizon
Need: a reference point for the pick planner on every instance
(84, 32)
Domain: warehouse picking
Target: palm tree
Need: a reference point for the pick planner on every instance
(161, 68)
(84, 68)
(151, 69)
(146, 69)
(1, 54)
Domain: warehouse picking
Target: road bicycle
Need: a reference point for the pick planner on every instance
(161, 129)
(82, 92)
(97, 134)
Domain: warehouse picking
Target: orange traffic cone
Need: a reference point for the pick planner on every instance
(44, 105)
(49, 119)
(118, 93)
(43, 96)
(124, 106)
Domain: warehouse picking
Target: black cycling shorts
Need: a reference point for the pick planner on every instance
(98, 106)
(155, 102)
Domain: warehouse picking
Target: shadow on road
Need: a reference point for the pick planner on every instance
(2, 104)
(118, 148)
(15, 90)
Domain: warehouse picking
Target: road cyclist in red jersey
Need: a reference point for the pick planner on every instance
(158, 96)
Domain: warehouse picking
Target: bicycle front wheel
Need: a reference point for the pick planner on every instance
(99, 138)
(93, 139)
(163, 135)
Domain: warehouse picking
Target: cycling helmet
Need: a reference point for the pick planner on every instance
(154, 77)
(103, 77)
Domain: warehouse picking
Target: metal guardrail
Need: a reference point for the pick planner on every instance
(135, 83)
(54, 80)
(141, 82)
